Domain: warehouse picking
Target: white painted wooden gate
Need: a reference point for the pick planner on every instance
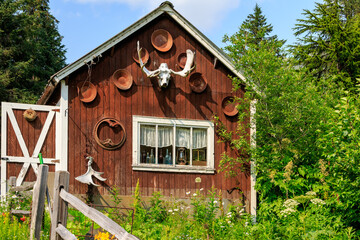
(54, 113)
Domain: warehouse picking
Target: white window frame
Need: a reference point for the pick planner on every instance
(137, 166)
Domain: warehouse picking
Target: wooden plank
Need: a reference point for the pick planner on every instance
(26, 187)
(18, 133)
(4, 133)
(22, 173)
(31, 160)
(43, 133)
(59, 214)
(20, 212)
(64, 233)
(95, 215)
(38, 202)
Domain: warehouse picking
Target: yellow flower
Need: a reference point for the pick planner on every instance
(102, 236)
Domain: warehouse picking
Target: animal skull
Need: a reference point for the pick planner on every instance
(163, 73)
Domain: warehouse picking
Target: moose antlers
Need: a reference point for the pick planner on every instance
(163, 72)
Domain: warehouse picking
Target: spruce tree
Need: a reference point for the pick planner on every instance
(30, 49)
(329, 40)
(252, 33)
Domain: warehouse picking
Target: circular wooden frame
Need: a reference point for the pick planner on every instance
(197, 82)
(122, 79)
(162, 40)
(87, 91)
(108, 143)
(229, 107)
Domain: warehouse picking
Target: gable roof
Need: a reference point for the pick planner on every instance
(165, 7)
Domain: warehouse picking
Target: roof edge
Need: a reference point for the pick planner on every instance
(165, 7)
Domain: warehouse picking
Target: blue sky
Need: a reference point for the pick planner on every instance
(85, 24)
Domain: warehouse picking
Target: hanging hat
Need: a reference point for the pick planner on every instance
(161, 40)
(30, 115)
(122, 79)
(181, 60)
(87, 91)
(144, 55)
(229, 106)
(197, 82)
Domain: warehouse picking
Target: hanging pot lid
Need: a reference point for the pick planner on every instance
(87, 91)
(229, 106)
(161, 40)
(122, 79)
(144, 55)
(197, 82)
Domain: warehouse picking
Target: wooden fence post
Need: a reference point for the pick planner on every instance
(12, 181)
(38, 202)
(60, 212)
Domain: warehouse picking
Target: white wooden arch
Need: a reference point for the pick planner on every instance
(55, 113)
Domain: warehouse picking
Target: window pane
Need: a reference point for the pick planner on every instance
(165, 143)
(147, 144)
(182, 146)
(199, 146)
(165, 155)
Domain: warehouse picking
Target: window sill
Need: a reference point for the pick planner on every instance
(176, 169)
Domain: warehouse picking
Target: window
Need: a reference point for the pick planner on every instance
(173, 145)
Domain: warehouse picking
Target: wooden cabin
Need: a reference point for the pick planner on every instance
(104, 106)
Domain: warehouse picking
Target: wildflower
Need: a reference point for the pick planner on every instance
(290, 203)
(194, 194)
(175, 210)
(102, 236)
(187, 193)
(229, 222)
(215, 202)
(310, 193)
(201, 189)
(170, 211)
(317, 201)
(287, 212)
(246, 223)
(223, 203)
(23, 218)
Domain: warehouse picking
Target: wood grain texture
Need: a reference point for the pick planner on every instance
(144, 98)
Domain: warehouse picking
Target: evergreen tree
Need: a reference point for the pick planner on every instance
(329, 40)
(253, 31)
(30, 49)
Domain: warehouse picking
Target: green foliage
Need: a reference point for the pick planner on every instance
(329, 39)
(339, 142)
(30, 49)
(11, 228)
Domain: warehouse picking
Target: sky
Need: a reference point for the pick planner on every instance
(85, 24)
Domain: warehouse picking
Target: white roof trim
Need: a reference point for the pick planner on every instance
(164, 7)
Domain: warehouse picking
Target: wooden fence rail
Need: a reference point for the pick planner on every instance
(59, 215)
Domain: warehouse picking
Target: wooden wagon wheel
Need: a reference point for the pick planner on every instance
(108, 144)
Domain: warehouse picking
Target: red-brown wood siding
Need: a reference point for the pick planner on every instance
(30, 132)
(146, 99)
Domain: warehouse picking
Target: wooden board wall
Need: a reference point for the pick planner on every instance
(146, 99)
(30, 132)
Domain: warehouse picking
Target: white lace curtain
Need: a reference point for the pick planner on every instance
(165, 135)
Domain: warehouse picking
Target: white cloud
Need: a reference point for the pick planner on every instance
(203, 14)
